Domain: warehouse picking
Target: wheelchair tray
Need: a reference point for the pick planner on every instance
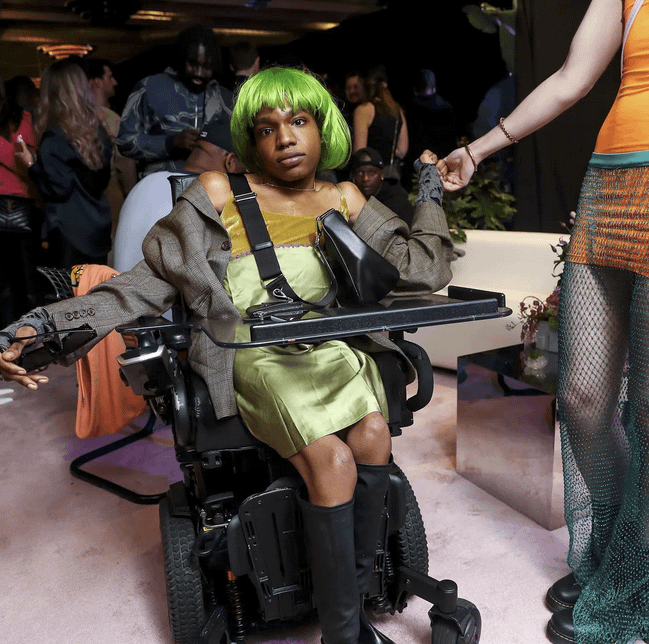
(399, 315)
(329, 324)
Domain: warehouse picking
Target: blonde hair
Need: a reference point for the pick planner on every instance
(67, 102)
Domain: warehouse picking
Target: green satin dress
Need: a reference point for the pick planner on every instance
(291, 396)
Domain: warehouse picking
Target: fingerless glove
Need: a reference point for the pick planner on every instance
(37, 318)
(430, 183)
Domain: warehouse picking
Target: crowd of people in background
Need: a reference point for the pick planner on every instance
(69, 157)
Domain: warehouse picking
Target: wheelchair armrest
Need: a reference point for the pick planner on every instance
(424, 369)
(148, 365)
(151, 331)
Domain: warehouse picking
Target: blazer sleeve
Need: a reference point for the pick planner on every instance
(182, 256)
(117, 301)
(422, 253)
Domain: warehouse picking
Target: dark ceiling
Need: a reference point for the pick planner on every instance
(121, 29)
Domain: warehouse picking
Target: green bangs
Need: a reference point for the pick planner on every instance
(286, 87)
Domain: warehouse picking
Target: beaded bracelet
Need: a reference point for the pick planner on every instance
(505, 132)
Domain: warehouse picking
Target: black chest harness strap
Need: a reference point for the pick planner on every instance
(270, 272)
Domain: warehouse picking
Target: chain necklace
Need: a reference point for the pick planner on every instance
(272, 185)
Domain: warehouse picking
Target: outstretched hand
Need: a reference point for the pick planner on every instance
(9, 370)
(459, 170)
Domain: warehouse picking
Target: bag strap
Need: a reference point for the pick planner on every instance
(263, 250)
(627, 28)
(394, 139)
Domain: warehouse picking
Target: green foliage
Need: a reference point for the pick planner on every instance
(483, 204)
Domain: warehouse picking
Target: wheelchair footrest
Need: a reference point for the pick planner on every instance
(272, 528)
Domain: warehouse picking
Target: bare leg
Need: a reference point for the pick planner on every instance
(328, 465)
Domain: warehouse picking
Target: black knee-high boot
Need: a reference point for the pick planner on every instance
(369, 501)
(330, 537)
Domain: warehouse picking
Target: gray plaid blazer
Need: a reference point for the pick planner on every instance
(187, 253)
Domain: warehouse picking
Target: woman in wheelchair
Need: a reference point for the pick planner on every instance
(320, 406)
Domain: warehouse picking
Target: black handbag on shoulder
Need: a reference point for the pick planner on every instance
(358, 274)
(364, 275)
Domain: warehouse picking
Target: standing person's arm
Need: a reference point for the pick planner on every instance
(592, 48)
(363, 117)
(140, 136)
(126, 172)
(402, 141)
(134, 139)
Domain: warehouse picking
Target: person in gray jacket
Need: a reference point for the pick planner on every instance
(321, 406)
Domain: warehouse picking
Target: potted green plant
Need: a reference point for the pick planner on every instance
(539, 318)
(484, 204)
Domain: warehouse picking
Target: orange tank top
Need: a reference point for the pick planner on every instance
(626, 128)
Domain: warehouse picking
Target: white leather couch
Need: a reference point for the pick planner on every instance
(514, 263)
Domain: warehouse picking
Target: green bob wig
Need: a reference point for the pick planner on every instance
(288, 87)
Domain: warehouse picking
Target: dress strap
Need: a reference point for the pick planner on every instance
(627, 28)
(344, 207)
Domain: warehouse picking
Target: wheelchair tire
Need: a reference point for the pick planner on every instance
(409, 547)
(182, 576)
(464, 627)
(445, 633)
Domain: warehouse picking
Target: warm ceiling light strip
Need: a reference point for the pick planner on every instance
(158, 16)
(248, 32)
(63, 51)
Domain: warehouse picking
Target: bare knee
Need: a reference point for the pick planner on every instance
(370, 441)
(328, 469)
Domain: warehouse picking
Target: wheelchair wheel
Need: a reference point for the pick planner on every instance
(182, 576)
(409, 547)
(445, 633)
(463, 627)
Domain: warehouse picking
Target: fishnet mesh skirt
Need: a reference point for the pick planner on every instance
(603, 403)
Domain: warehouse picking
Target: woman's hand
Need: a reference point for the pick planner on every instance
(23, 154)
(459, 170)
(9, 370)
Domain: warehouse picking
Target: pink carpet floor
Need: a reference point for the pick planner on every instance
(81, 566)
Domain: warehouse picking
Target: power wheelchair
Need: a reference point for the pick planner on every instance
(234, 550)
(234, 547)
